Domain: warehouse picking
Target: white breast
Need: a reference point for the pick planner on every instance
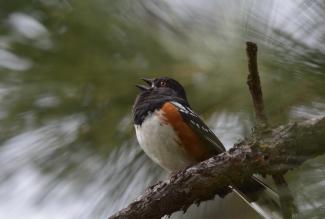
(160, 142)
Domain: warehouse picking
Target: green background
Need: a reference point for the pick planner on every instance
(67, 76)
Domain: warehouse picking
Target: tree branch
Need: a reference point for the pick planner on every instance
(278, 151)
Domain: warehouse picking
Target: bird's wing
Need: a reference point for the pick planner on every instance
(199, 127)
(261, 197)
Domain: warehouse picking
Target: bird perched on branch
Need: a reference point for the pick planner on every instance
(175, 137)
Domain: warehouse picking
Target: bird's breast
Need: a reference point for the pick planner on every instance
(161, 143)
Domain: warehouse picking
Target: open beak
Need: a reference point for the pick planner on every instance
(144, 87)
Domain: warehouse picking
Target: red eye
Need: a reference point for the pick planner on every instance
(162, 83)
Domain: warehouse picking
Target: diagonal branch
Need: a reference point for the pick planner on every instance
(280, 150)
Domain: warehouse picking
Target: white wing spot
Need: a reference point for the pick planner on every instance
(184, 109)
(189, 111)
(179, 106)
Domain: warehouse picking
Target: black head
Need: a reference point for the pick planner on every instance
(155, 94)
(163, 85)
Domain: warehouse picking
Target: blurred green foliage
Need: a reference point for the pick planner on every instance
(83, 58)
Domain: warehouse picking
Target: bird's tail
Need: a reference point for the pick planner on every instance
(262, 198)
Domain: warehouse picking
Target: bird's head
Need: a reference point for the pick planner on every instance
(163, 86)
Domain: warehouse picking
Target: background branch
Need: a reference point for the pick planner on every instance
(254, 84)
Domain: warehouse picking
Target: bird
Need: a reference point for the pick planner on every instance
(175, 137)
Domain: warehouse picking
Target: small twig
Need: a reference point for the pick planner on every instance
(254, 84)
(286, 199)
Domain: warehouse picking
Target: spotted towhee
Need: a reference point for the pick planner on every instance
(174, 137)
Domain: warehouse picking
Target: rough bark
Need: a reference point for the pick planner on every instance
(273, 153)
